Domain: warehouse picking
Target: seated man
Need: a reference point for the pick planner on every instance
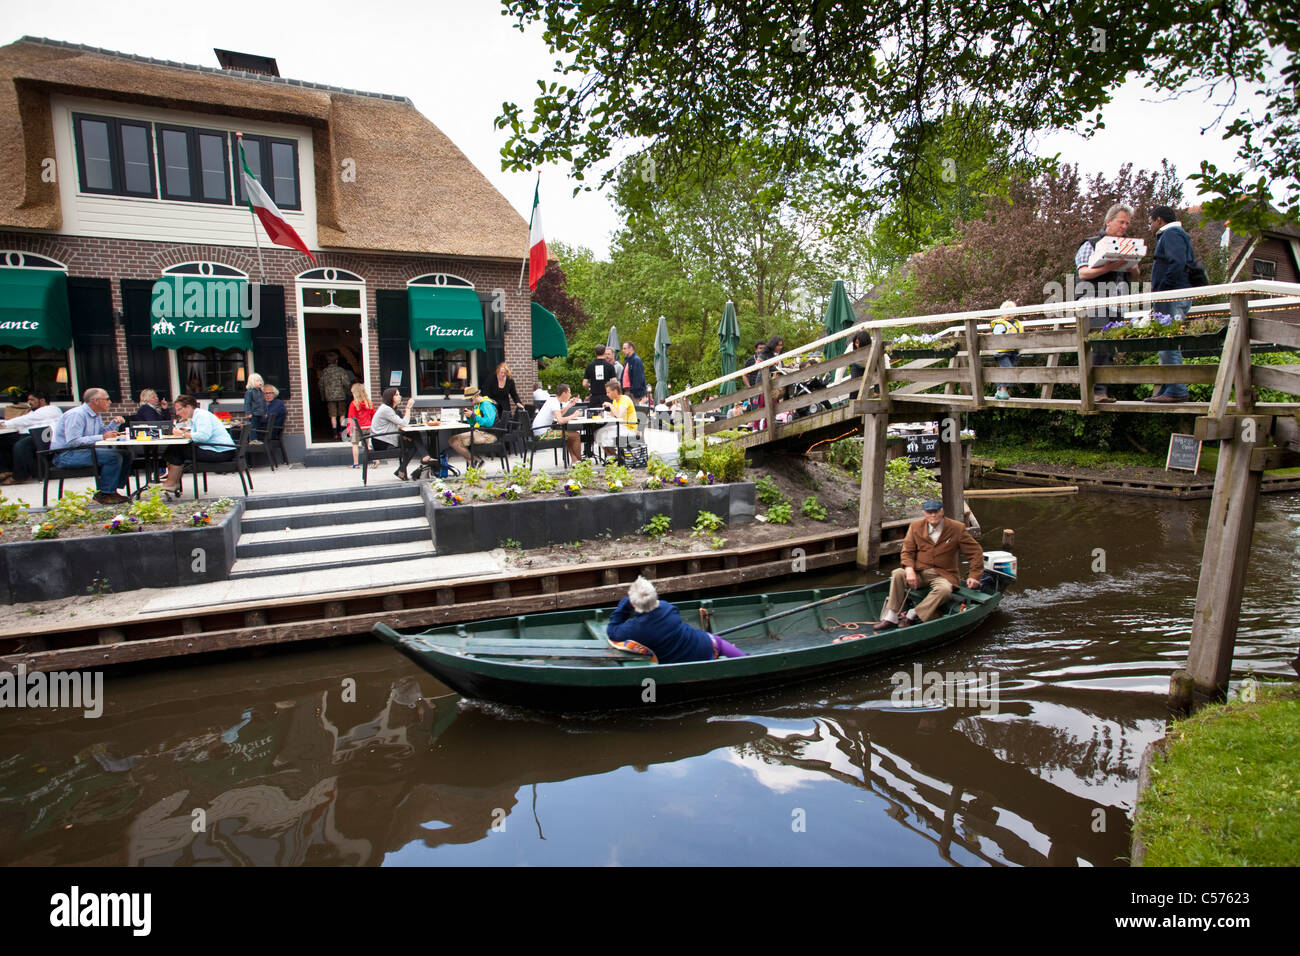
(553, 415)
(930, 560)
(642, 623)
(17, 452)
(73, 441)
(483, 414)
(621, 407)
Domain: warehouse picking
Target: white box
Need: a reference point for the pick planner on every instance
(1117, 251)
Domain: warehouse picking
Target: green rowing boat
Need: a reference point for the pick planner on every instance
(561, 661)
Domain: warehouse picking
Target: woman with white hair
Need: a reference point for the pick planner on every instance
(645, 624)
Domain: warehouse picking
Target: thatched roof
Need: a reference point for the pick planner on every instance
(414, 190)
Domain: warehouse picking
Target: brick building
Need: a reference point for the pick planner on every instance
(117, 171)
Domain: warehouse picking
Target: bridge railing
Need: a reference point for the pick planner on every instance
(963, 382)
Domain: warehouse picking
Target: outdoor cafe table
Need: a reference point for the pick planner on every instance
(437, 430)
(588, 428)
(153, 449)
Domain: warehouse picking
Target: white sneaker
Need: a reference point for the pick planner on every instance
(1003, 395)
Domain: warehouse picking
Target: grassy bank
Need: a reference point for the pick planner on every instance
(1227, 791)
(1009, 453)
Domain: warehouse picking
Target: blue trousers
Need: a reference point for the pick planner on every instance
(114, 465)
(1178, 310)
(1007, 360)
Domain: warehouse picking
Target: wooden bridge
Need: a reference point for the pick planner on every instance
(1254, 436)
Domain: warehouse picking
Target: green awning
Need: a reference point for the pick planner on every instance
(200, 312)
(34, 309)
(445, 317)
(548, 336)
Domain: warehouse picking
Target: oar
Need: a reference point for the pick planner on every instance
(795, 610)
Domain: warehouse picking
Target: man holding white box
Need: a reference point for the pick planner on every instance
(1109, 277)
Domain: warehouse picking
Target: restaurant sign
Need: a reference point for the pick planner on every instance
(445, 317)
(34, 309)
(204, 312)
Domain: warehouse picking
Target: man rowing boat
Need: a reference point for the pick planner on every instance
(644, 624)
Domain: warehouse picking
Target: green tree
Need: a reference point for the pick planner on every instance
(855, 88)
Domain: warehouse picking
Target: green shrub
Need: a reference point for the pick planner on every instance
(780, 513)
(847, 454)
(11, 511)
(1204, 392)
(707, 522)
(584, 472)
(658, 526)
(72, 509)
(154, 510)
(768, 491)
(520, 474)
(542, 482)
(616, 472)
(717, 542)
(473, 477)
(725, 461)
(222, 505)
(658, 468)
(812, 508)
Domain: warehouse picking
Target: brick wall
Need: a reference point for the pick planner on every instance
(117, 259)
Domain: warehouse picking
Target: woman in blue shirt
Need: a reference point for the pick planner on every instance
(211, 441)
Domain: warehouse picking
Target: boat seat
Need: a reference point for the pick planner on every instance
(597, 629)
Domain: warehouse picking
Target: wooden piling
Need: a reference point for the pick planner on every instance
(871, 505)
(950, 470)
(1223, 565)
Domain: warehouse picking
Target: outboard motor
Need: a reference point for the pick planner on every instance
(1000, 571)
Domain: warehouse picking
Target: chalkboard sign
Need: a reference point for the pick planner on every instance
(923, 450)
(1184, 453)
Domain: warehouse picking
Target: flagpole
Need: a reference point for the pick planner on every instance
(528, 248)
(261, 269)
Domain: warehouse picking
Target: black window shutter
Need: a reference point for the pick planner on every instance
(90, 302)
(271, 340)
(147, 367)
(494, 338)
(393, 310)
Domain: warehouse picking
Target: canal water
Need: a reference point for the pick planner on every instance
(354, 756)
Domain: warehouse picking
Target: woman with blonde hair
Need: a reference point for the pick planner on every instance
(255, 405)
(500, 388)
(361, 412)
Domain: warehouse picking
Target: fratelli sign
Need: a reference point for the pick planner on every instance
(204, 312)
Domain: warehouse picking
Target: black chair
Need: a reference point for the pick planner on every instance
(275, 442)
(533, 444)
(498, 448)
(371, 452)
(46, 470)
(264, 442)
(632, 449)
(237, 465)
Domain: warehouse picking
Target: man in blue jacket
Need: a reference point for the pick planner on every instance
(1173, 256)
(633, 374)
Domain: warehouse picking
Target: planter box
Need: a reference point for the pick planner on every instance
(1211, 344)
(64, 567)
(555, 519)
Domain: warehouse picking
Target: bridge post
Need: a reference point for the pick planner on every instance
(871, 504)
(1223, 561)
(951, 477)
(1081, 330)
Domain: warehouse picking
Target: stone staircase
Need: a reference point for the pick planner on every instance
(285, 534)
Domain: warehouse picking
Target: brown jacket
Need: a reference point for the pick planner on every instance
(920, 552)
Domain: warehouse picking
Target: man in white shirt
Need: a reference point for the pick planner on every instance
(553, 415)
(17, 452)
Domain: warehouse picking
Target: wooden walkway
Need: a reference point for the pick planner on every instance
(1254, 436)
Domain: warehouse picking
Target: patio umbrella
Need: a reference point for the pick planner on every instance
(662, 341)
(839, 316)
(728, 342)
(612, 341)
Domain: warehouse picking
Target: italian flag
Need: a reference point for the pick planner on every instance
(273, 221)
(536, 241)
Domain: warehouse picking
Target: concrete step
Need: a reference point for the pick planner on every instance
(366, 555)
(309, 541)
(356, 495)
(334, 515)
(325, 455)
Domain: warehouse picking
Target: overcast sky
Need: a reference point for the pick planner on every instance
(458, 61)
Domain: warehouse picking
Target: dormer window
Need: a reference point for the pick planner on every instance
(274, 163)
(114, 156)
(193, 164)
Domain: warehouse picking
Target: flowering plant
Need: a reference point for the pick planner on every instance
(46, 530)
(614, 485)
(654, 482)
(923, 341)
(200, 518)
(705, 478)
(1158, 323)
(512, 493)
(121, 524)
(681, 480)
(571, 488)
(451, 499)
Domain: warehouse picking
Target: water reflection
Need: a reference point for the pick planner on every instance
(353, 757)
